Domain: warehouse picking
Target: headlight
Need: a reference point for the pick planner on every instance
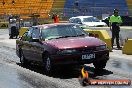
(67, 51)
(101, 47)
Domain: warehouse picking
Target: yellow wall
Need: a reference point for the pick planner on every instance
(129, 3)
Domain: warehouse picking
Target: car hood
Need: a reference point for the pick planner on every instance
(95, 23)
(75, 42)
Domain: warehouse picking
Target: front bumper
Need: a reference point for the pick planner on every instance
(72, 59)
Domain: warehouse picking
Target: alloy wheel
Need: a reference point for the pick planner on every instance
(48, 64)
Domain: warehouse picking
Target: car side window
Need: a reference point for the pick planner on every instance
(36, 33)
(77, 20)
(27, 35)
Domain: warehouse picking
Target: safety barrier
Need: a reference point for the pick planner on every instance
(101, 34)
(22, 30)
(3, 25)
(127, 48)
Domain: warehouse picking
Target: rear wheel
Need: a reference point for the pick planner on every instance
(10, 36)
(23, 60)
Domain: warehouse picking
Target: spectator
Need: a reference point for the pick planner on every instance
(115, 21)
(76, 3)
(55, 18)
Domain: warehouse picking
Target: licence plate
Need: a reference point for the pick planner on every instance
(88, 56)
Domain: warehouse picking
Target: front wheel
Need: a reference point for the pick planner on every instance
(100, 64)
(48, 66)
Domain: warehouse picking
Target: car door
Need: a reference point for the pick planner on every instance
(36, 48)
(26, 43)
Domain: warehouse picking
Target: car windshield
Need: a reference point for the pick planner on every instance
(91, 19)
(62, 31)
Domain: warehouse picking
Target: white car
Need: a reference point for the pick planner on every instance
(87, 21)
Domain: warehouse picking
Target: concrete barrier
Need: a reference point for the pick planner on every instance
(101, 34)
(22, 30)
(127, 48)
(4, 25)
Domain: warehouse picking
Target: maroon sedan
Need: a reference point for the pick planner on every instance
(61, 44)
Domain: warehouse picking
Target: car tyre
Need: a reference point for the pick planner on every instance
(23, 60)
(100, 65)
(11, 36)
(48, 66)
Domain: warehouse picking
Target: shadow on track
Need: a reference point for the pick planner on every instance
(67, 73)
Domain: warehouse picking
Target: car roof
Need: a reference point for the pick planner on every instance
(54, 24)
(82, 17)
